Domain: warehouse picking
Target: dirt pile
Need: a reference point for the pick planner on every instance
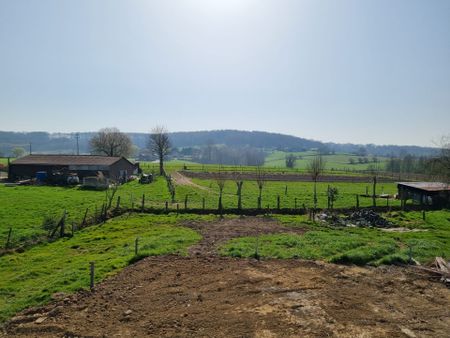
(360, 218)
(367, 218)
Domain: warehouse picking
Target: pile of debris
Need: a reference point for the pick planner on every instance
(367, 218)
(439, 269)
(360, 218)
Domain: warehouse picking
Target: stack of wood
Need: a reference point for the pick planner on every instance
(438, 269)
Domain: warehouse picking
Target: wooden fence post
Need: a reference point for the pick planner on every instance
(423, 215)
(118, 202)
(167, 206)
(136, 246)
(278, 202)
(85, 216)
(186, 202)
(92, 273)
(8, 239)
(63, 224)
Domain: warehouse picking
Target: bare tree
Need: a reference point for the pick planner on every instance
(260, 181)
(220, 180)
(111, 142)
(159, 143)
(239, 182)
(315, 167)
(441, 164)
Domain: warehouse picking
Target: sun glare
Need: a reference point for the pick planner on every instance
(221, 6)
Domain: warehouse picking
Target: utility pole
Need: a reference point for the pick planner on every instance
(77, 136)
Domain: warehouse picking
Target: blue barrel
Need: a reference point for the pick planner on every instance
(41, 176)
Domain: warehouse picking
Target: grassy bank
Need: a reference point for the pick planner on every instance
(429, 238)
(30, 278)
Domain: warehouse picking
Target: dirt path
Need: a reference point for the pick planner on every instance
(180, 179)
(204, 295)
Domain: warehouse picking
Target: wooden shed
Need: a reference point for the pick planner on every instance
(115, 168)
(435, 194)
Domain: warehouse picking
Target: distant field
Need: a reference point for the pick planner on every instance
(335, 162)
(4, 160)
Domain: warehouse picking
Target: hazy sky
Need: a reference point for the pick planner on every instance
(343, 71)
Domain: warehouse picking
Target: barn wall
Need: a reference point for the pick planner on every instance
(121, 165)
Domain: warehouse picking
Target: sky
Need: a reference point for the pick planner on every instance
(346, 71)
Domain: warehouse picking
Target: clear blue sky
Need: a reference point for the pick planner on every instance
(344, 71)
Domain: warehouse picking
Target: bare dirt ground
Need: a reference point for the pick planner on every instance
(205, 295)
(180, 179)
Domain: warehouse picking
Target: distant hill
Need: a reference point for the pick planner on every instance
(65, 143)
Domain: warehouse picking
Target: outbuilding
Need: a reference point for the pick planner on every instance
(114, 168)
(435, 194)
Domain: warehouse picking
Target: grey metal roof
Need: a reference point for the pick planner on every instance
(64, 160)
(427, 186)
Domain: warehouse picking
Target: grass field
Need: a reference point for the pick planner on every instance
(276, 167)
(333, 162)
(23, 208)
(303, 191)
(353, 245)
(31, 277)
(4, 160)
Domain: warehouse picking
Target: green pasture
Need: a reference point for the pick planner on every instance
(336, 162)
(353, 245)
(278, 167)
(23, 208)
(302, 191)
(30, 278)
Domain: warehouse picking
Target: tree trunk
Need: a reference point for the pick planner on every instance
(161, 165)
(315, 194)
(259, 198)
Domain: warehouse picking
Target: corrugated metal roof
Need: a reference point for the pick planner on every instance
(64, 160)
(427, 186)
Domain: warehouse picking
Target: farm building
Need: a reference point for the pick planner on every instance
(425, 193)
(115, 168)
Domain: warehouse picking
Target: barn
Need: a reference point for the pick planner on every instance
(425, 193)
(115, 168)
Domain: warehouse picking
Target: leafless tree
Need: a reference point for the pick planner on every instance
(220, 180)
(239, 182)
(159, 143)
(315, 168)
(260, 182)
(111, 142)
(441, 164)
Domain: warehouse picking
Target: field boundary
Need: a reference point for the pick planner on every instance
(288, 177)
